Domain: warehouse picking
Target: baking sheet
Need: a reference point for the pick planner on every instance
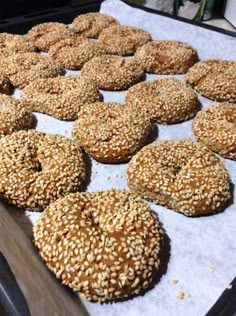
(202, 250)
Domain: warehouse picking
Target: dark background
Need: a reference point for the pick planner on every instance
(24, 7)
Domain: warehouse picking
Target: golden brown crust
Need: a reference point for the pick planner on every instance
(166, 57)
(23, 68)
(167, 101)
(111, 132)
(13, 116)
(112, 72)
(214, 79)
(44, 35)
(36, 169)
(91, 24)
(124, 40)
(12, 44)
(61, 97)
(216, 128)
(5, 84)
(105, 244)
(74, 52)
(180, 175)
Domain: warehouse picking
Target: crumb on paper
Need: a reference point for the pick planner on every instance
(186, 294)
(229, 287)
(174, 281)
(108, 178)
(211, 269)
(180, 295)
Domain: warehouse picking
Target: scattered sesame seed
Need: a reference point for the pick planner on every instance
(181, 295)
(174, 282)
(186, 294)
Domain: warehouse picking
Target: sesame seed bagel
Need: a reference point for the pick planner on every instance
(180, 175)
(112, 72)
(124, 40)
(12, 43)
(22, 68)
(91, 24)
(46, 34)
(167, 100)
(5, 84)
(166, 57)
(111, 132)
(214, 79)
(216, 128)
(72, 53)
(106, 244)
(36, 169)
(60, 97)
(13, 115)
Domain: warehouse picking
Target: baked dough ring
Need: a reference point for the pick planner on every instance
(13, 115)
(91, 24)
(106, 244)
(112, 72)
(36, 169)
(13, 43)
(44, 35)
(23, 68)
(166, 57)
(124, 40)
(111, 132)
(61, 97)
(216, 128)
(74, 52)
(167, 101)
(214, 79)
(180, 175)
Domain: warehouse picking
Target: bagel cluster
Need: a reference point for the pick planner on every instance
(108, 245)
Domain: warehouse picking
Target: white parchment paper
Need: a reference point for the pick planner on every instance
(202, 250)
